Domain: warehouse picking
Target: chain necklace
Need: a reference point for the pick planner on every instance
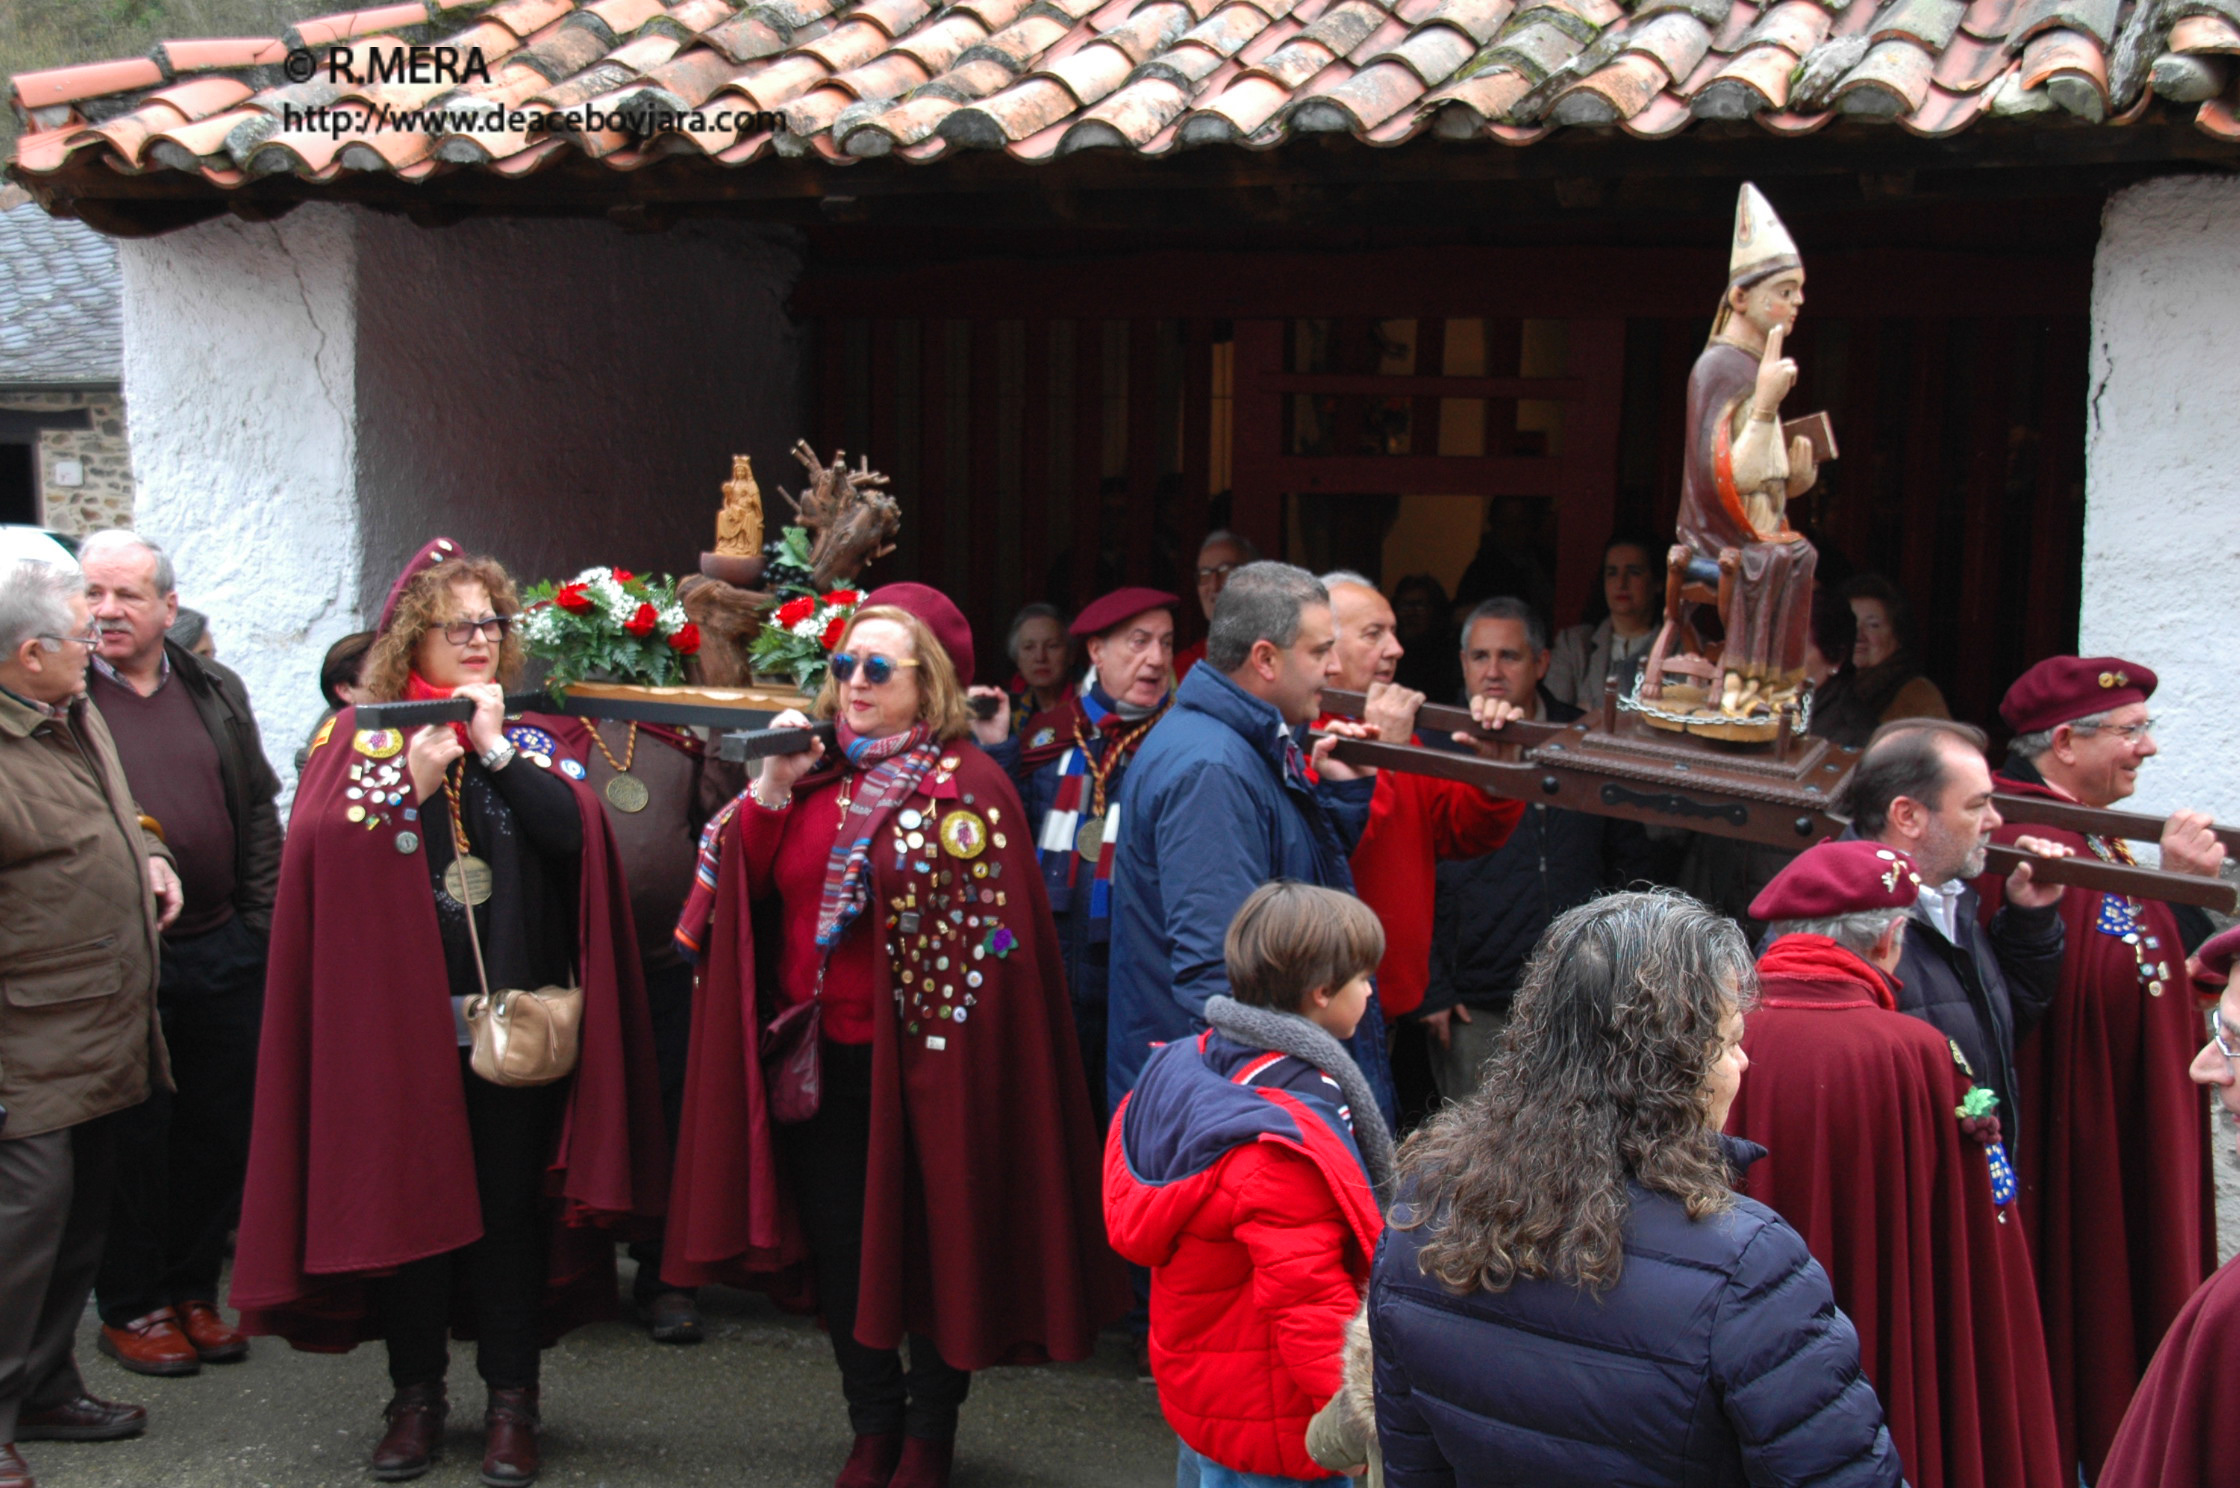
(624, 791)
(466, 878)
(1089, 840)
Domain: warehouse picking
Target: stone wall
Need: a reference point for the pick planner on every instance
(2162, 498)
(103, 451)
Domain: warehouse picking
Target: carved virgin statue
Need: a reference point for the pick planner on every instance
(739, 524)
(1741, 472)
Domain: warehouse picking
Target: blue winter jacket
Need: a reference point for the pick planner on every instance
(1719, 1357)
(1208, 813)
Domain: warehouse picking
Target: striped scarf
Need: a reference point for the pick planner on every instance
(1056, 849)
(892, 769)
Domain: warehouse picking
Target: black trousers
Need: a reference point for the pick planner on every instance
(502, 1275)
(669, 999)
(829, 1157)
(181, 1156)
(54, 1203)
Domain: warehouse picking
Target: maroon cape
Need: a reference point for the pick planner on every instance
(1773, 601)
(983, 1226)
(2116, 1194)
(1855, 1105)
(2179, 1429)
(359, 1158)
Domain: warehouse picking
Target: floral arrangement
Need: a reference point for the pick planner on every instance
(797, 638)
(609, 624)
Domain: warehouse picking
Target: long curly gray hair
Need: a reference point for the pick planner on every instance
(1602, 1079)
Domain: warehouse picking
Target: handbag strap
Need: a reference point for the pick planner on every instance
(474, 936)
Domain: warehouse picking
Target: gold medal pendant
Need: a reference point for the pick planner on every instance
(467, 880)
(627, 793)
(1089, 841)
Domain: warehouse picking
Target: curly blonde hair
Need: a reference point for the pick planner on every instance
(425, 605)
(941, 703)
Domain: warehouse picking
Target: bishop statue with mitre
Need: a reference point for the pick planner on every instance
(1741, 472)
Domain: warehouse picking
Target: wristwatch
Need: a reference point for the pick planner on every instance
(498, 758)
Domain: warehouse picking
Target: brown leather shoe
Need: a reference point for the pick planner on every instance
(151, 1345)
(509, 1438)
(206, 1328)
(87, 1418)
(415, 1436)
(924, 1464)
(14, 1471)
(871, 1461)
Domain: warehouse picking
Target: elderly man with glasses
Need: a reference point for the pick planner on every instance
(196, 765)
(87, 895)
(2115, 1169)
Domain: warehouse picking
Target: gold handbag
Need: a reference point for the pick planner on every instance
(522, 1037)
(518, 1037)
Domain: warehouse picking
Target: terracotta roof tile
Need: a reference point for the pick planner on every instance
(1042, 78)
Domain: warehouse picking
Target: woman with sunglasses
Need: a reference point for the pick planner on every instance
(908, 1072)
(392, 1192)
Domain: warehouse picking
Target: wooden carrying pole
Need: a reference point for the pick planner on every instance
(1556, 765)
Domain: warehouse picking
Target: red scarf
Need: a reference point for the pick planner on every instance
(418, 689)
(1815, 958)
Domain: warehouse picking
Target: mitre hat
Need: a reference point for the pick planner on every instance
(1762, 246)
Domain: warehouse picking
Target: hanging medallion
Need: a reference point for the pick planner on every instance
(467, 880)
(627, 793)
(1089, 841)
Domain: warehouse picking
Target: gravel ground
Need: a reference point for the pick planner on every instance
(757, 1404)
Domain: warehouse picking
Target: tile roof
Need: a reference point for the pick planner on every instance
(60, 317)
(1040, 78)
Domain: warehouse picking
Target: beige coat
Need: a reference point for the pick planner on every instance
(79, 1036)
(1343, 1434)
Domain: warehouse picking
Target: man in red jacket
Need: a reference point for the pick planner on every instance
(1415, 822)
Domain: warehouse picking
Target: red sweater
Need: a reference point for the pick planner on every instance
(786, 853)
(1417, 822)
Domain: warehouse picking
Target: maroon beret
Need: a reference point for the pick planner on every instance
(2214, 959)
(940, 615)
(2063, 689)
(1118, 607)
(1838, 878)
(435, 551)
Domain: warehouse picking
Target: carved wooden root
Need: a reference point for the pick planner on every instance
(729, 619)
(853, 519)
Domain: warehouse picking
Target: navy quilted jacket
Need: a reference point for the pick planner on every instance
(1719, 1357)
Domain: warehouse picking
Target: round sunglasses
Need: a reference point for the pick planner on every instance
(878, 670)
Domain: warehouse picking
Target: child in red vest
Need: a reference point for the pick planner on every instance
(1245, 1170)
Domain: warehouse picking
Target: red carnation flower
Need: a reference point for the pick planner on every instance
(623, 576)
(794, 611)
(573, 599)
(843, 597)
(687, 639)
(642, 623)
(833, 630)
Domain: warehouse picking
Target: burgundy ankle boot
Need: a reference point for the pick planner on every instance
(871, 1461)
(509, 1438)
(415, 1435)
(924, 1464)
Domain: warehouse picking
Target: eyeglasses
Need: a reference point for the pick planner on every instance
(878, 670)
(2223, 1033)
(465, 632)
(90, 639)
(1219, 571)
(2132, 732)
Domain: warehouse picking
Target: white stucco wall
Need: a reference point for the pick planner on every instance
(563, 393)
(314, 398)
(2162, 513)
(239, 352)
